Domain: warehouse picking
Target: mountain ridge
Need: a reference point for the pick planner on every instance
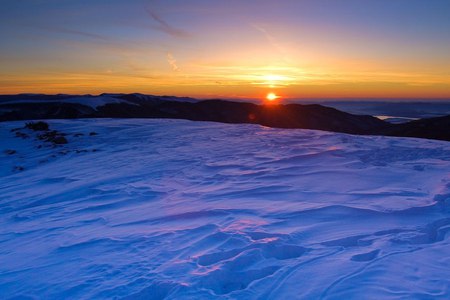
(302, 116)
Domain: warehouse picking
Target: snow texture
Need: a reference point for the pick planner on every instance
(153, 209)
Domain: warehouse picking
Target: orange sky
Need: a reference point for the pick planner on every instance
(205, 49)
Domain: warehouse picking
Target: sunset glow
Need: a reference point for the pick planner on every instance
(206, 49)
(271, 97)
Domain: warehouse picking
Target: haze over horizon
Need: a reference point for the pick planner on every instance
(206, 49)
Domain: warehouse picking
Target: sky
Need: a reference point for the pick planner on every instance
(229, 49)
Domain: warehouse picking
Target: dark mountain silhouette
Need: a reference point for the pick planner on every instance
(313, 116)
(431, 128)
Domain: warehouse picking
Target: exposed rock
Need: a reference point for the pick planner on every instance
(54, 137)
(10, 151)
(48, 135)
(37, 126)
(81, 151)
(22, 135)
(59, 140)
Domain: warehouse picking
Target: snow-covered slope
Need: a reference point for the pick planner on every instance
(95, 102)
(91, 101)
(149, 209)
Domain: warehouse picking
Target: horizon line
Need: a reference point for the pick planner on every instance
(246, 98)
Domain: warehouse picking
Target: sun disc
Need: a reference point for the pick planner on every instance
(271, 96)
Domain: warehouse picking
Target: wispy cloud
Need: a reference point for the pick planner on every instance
(172, 62)
(85, 34)
(270, 38)
(166, 27)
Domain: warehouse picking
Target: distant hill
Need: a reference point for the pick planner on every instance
(312, 116)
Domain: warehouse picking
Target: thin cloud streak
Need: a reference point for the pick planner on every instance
(84, 34)
(270, 38)
(73, 32)
(172, 62)
(166, 27)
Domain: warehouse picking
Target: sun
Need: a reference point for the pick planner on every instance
(271, 97)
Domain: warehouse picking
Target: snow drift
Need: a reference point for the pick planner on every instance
(178, 209)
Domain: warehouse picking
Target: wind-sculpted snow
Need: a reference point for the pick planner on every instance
(153, 209)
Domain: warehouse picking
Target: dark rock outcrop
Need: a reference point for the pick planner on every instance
(37, 126)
